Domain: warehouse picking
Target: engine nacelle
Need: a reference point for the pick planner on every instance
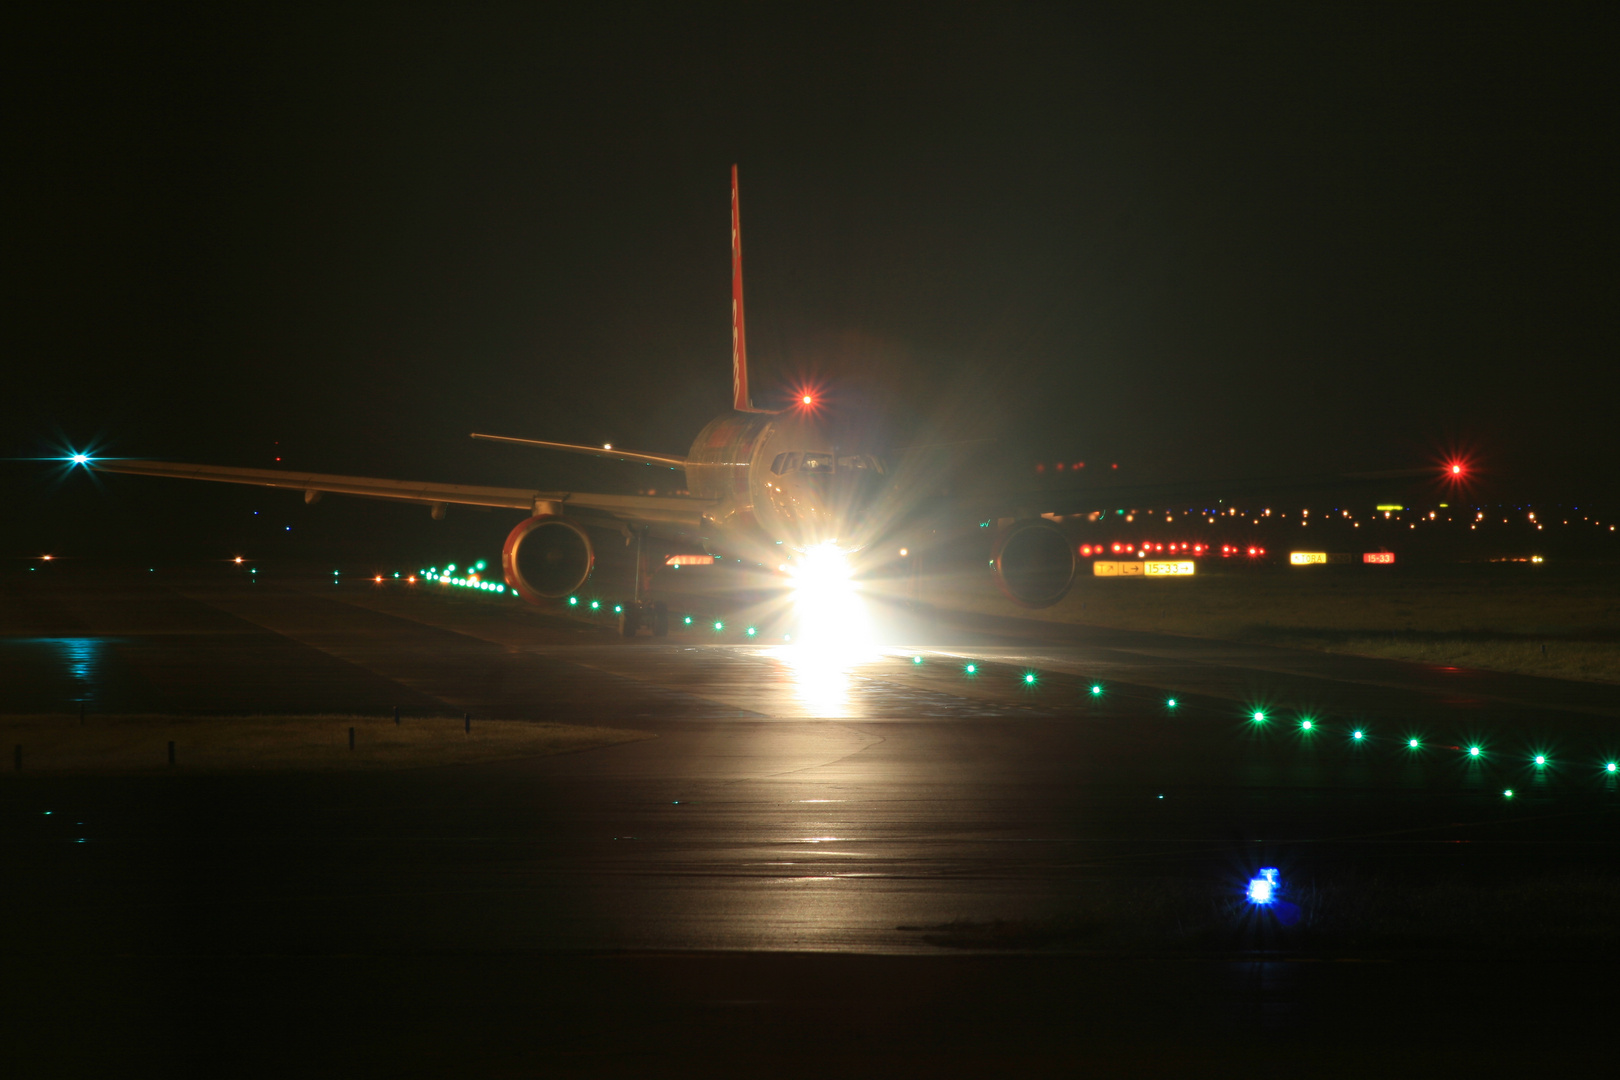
(1033, 563)
(547, 557)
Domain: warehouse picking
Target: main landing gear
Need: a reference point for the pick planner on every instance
(639, 613)
(655, 617)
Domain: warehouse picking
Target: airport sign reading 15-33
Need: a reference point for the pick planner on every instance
(1149, 568)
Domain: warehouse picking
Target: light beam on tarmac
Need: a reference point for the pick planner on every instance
(834, 629)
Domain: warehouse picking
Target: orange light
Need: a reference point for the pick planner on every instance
(412, 579)
(807, 400)
(47, 558)
(237, 559)
(378, 579)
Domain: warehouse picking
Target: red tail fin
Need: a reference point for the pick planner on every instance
(739, 341)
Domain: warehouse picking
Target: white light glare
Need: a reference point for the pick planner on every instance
(1263, 889)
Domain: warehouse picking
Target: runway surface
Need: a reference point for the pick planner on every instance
(901, 809)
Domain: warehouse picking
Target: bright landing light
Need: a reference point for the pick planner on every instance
(831, 614)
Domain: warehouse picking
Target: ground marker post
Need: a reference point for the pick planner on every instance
(171, 751)
(351, 738)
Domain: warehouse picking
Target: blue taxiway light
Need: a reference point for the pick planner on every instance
(1263, 889)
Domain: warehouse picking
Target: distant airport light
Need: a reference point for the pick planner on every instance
(1473, 751)
(573, 601)
(1358, 735)
(971, 669)
(688, 620)
(1029, 678)
(1507, 793)
(1170, 703)
(607, 446)
(1307, 725)
(618, 609)
(80, 459)
(751, 631)
(1258, 717)
(1096, 689)
(1383, 557)
(916, 659)
(1411, 744)
(807, 400)
(596, 605)
(237, 560)
(1610, 767)
(718, 625)
(1540, 759)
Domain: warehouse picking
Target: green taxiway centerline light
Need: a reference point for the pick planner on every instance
(973, 669)
(1307, 725)
(1473, 751)
(618, 609)
(1096, 689)
(1411, 744)
(751, 631)
(688, 620)
(1170, 703)
(1358, 735)
(1610, 767)
(1540, 760)
(573, 601)
(1029, 678)
(596, 605)
(719, 625)
(1258, 717)
(1508, 793)
(916, 659)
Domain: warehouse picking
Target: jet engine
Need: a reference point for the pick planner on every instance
(547, 557)
(1033, 563)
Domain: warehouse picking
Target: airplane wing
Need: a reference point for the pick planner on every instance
(638, 509)
(668, 461)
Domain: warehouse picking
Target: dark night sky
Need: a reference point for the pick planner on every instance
(1196, 241)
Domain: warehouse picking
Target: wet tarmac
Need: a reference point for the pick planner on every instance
(765, 883)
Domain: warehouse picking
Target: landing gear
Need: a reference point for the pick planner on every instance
(638, 612)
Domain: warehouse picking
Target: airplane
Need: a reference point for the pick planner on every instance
(758, 480)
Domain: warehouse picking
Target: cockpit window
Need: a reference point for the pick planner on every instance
(818, 463)
(860, 463)
(784, 463)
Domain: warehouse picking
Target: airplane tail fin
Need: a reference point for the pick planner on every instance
(740, 399)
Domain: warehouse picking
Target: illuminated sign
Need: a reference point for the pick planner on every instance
(1102, 568)
(689, 560)
(1167, 568)
(1390, 507)
(1378, 557)
(1307, 558)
